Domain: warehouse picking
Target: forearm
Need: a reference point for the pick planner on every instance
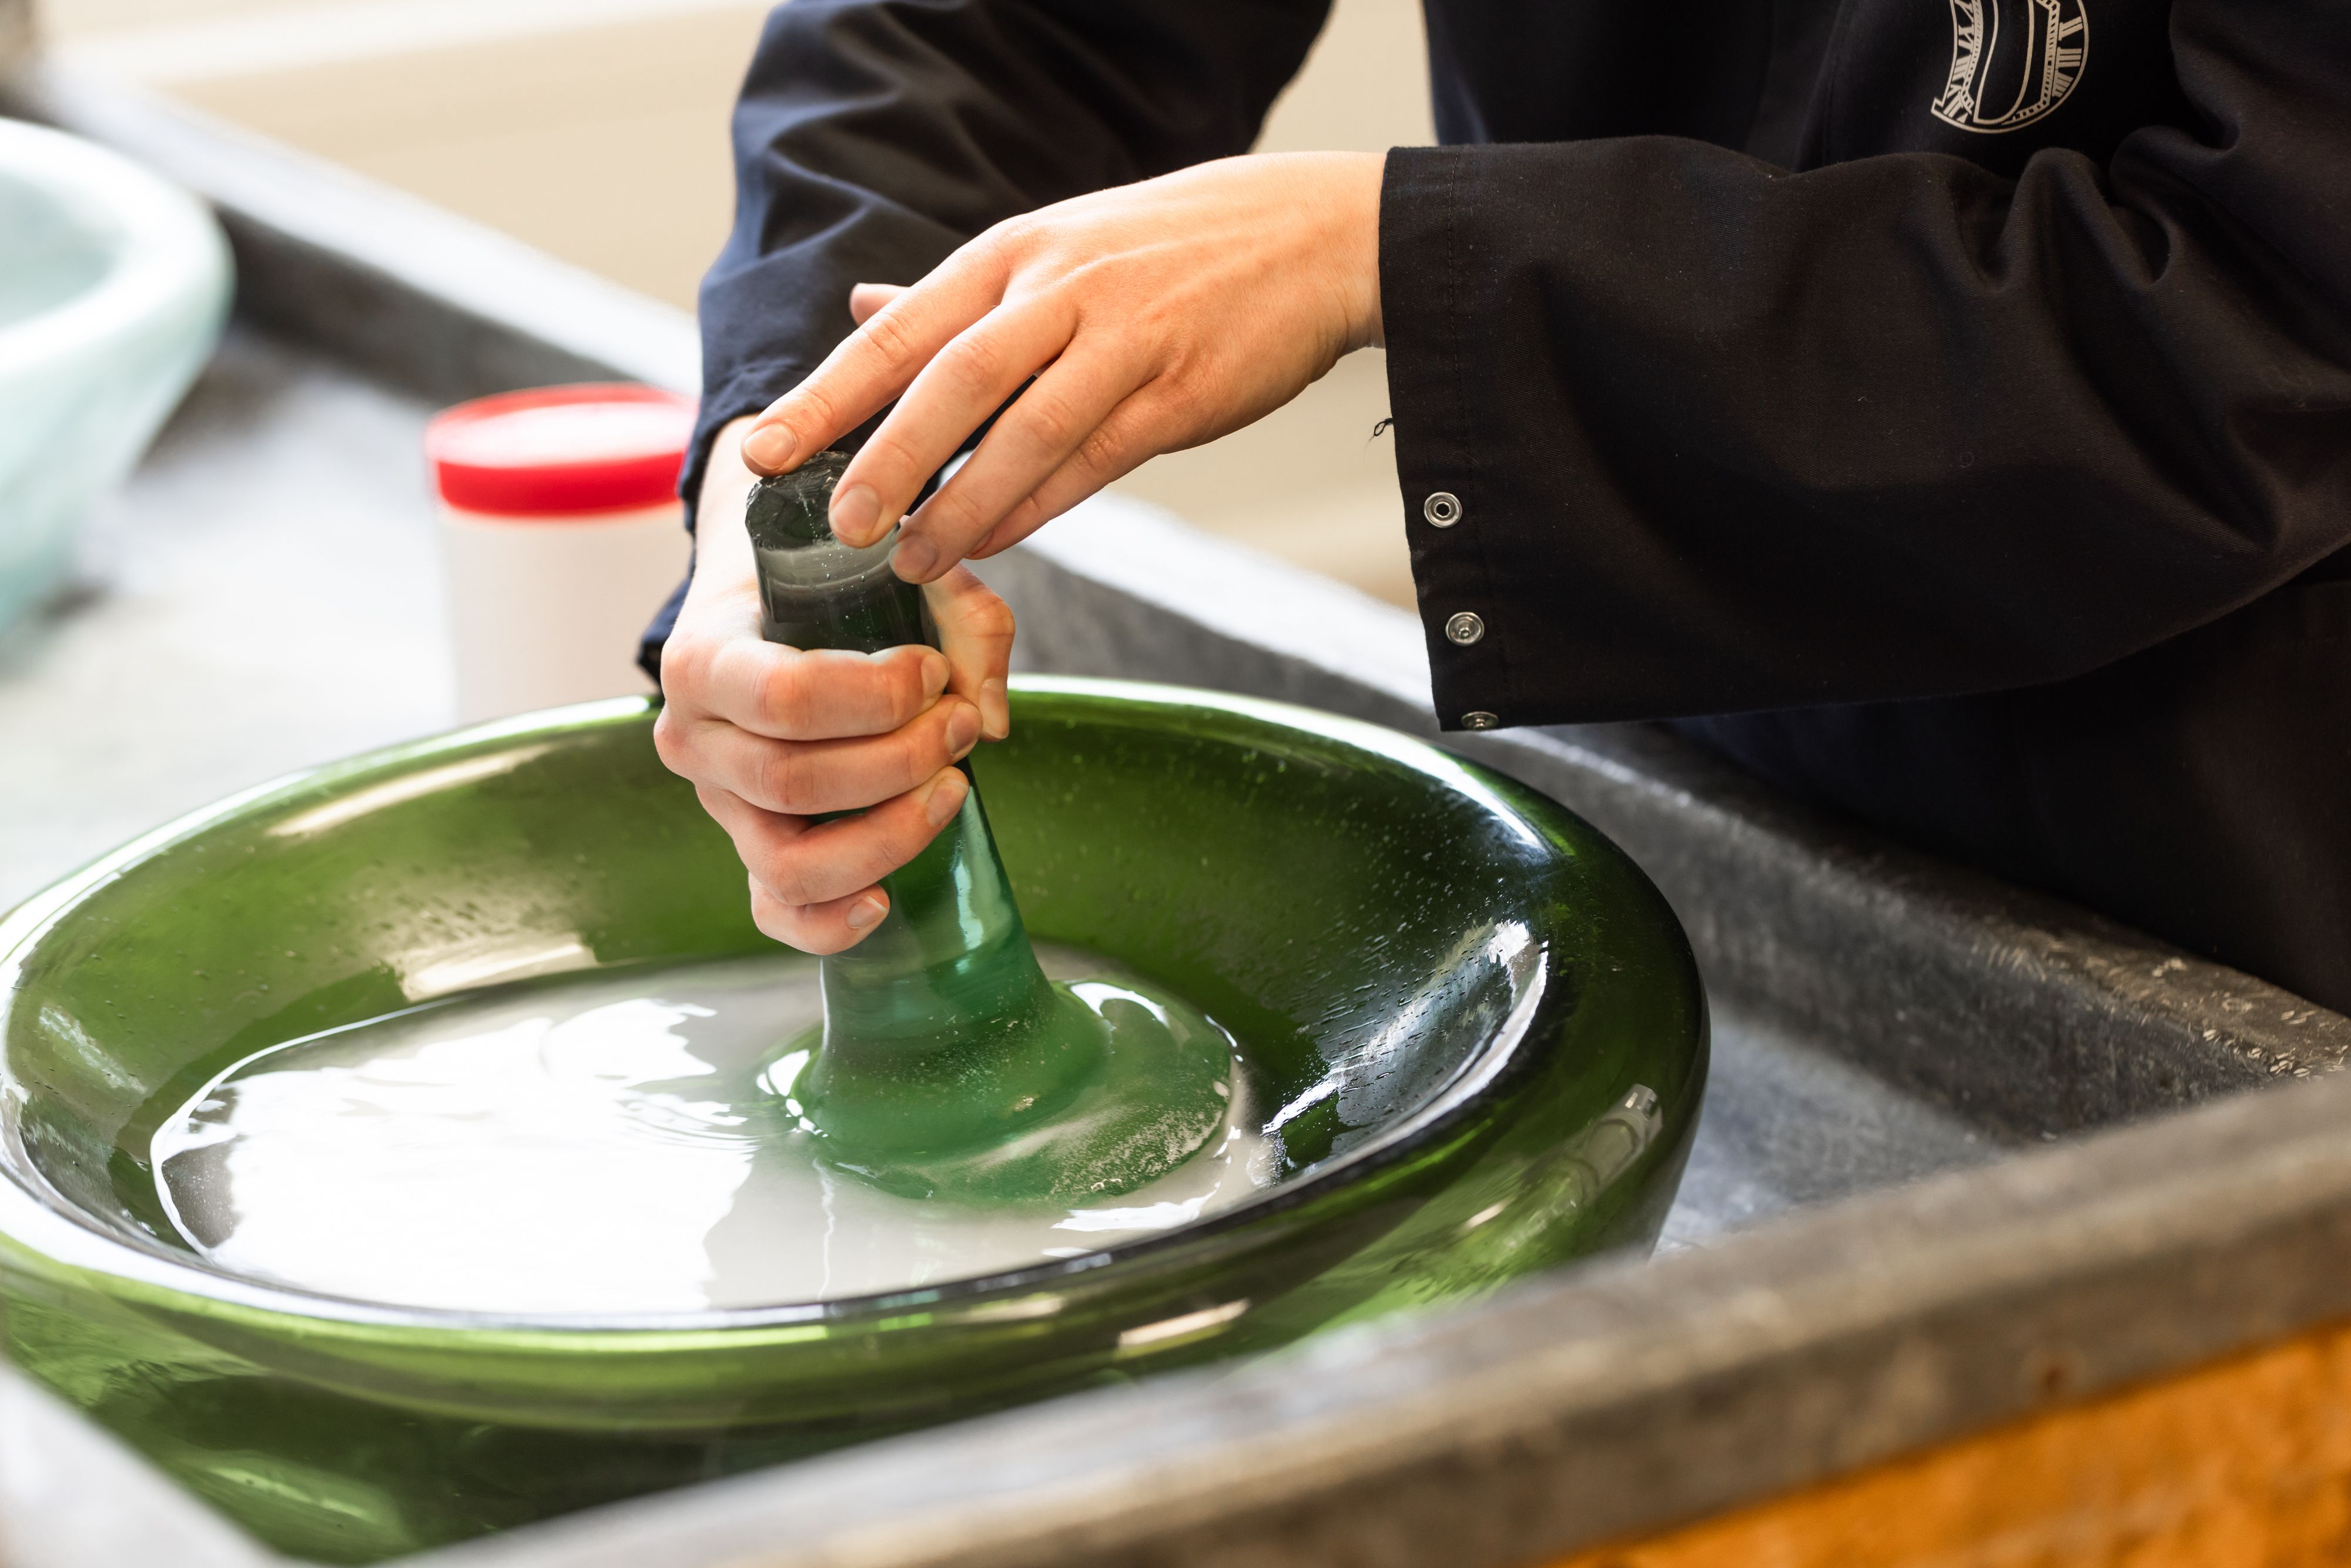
(873, 138)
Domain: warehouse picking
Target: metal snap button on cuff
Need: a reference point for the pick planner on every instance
(1465, 628)
(1443, 509)
(1479, 719)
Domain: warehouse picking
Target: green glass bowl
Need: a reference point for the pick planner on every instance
(1478, 1023)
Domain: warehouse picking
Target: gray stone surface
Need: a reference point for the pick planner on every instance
(72, 1496)
(1786, 1125)
(265, 595)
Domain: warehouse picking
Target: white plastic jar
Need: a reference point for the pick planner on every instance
(562, 533)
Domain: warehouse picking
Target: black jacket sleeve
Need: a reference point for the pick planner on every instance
(872, 137)
(1722, 437)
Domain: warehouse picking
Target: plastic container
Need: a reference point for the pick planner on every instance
(563, 534)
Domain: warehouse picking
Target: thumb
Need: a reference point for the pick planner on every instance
(976, 631)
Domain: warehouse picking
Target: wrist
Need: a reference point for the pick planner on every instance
(1333, 202)
(1368, 173)
(722, 554)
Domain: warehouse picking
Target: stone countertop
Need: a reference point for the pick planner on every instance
(265, 595)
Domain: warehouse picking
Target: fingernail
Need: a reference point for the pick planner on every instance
(770, 446)
(997, 707)
(856, 513)
(946, 797)
(934, 675)
(914, 558)
(866, 912)
(962, 731)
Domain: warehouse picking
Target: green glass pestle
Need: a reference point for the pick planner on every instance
(947, 1065)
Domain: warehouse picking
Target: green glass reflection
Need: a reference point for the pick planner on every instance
(1481, 1057)
(947, 1064)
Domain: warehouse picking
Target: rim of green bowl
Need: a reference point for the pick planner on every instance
(46, 1223)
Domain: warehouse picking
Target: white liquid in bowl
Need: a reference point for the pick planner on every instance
(599, 1146)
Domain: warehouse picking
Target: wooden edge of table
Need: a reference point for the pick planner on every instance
(2246, 1460)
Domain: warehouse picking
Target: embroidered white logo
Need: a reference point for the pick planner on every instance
(2012, 61)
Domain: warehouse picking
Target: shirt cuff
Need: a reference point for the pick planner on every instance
(1427, 301)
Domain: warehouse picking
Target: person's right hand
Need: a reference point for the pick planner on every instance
(773, 735)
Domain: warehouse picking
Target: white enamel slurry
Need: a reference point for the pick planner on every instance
(113, 287)
(607, 1145)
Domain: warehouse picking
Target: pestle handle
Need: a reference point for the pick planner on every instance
(947, 1062)
(816, 592)
(952, 955)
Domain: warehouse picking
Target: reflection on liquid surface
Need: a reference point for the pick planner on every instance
(598, 1145)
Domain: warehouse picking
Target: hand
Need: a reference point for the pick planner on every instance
(1153, 316)
(771, 736)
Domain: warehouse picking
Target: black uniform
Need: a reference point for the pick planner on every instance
(1957, 391)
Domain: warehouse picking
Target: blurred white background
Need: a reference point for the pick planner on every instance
(595, 130)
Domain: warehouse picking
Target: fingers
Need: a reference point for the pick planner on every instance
(976, 630)
(1056, 416)
(877, 362)
(969, 379)
(805, 778)
(787, 693)
(866, 299)
(1132, 433)
(813, 885)
(821, 929)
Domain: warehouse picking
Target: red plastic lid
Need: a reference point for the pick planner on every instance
(562, 451)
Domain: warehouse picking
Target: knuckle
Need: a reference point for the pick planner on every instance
(785, 779)
(921, 749)
(972, 364)
(1098, 454)
(1006, 242)
(889, 336)
(805, 408)
(811, 406)
(787, 874)
(782, 924)
(989, 617)
(713, 800)
(889, 451)
(1021, 522)
(784, 696)
(766, 912)
(669, 742)
(1183, 398)
(898, 836)
(684, 666)
(931, 750)
(952, 515)
(887, 852)
(906, 694)
(1052, 421)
